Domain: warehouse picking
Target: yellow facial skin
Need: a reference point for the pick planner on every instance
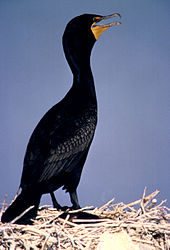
(97, 30)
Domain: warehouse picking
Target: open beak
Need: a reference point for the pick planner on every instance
(98, 29)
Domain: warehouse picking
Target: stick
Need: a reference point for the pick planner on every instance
(18, 217)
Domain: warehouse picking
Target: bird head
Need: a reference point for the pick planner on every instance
(80, 35)
(88, 23)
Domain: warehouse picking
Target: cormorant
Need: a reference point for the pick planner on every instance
(59, 145)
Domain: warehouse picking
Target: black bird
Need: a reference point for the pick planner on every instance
(59, 145)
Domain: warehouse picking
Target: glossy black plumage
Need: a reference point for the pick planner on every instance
(59, 145)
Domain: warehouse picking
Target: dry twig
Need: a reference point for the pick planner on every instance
(150, 227)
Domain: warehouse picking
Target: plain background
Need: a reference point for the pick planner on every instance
(130, 64)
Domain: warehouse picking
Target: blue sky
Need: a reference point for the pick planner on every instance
(130, 64)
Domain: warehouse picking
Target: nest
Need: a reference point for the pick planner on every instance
(143, 224)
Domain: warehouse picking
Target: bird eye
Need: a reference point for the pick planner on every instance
(96, 19)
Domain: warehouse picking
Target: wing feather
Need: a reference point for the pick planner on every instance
(55, 144)
(61, 159)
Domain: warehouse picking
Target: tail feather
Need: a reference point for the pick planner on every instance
(24, 200)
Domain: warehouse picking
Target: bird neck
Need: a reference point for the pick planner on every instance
(78, 57)
(84, 83)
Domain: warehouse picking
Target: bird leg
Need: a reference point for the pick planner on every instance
(74, 200)
(55, 203)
